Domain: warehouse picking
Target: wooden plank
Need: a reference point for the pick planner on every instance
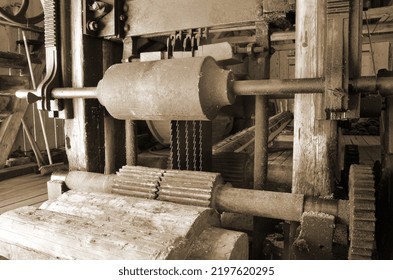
(23, 196)
(9, 84)
(372, 140)
(274, 156)
(358, 139)
(15, 193)
(315, 141)
(23, 183)
(15, 60)
(15, 171)
(39, 199)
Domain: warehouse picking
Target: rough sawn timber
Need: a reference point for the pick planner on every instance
(103, 226)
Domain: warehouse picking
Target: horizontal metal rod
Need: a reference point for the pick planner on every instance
(67, 93)
(278, 87)
(273, 88)
(275, 205)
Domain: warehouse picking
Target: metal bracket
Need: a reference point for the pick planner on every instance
(103, 18)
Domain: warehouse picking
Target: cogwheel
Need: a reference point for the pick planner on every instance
(361, 212)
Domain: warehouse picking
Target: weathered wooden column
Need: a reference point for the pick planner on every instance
(84, 132)
(315, 139)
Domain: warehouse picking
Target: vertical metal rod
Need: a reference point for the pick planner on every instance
(109, 136)
(262, 68)
(131, 143)
(35, 87)
(55, 131)
(261, 141)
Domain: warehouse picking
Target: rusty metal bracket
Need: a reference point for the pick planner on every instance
(104, 18)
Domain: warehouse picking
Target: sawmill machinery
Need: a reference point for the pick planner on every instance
(187, 81)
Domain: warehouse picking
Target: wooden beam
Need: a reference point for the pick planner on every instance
(9, 84)
(112, 226)
(85, 131)
(9, 129)
(315, 141)
(15, 60)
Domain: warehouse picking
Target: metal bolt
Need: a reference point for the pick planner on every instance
(122, 17)
(92, 25)
(127, 27)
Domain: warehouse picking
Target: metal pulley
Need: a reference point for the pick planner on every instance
(178, 89)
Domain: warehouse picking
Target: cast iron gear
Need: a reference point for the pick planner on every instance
(361, 212)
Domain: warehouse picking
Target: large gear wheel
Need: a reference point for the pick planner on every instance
(361, 212)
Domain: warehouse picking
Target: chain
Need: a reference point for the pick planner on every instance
(187, 148)
(178, 144)
(171, 155)
(200, 146)
(194, 145)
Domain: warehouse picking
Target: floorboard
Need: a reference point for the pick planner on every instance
(27, 190)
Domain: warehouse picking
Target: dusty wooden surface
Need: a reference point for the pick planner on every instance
(220, 244)
(103, 226)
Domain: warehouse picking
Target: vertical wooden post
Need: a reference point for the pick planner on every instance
(260, 70)
(315, 140)
(84, 133)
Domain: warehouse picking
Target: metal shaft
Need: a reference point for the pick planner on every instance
(267, 204)
(277, 86)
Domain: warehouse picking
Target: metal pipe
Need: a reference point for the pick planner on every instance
(273, 88)
(89, 182)
(110, 153)
(131, 143)
(278, 87)
(67, 93)
(267, 204)
(275, 205)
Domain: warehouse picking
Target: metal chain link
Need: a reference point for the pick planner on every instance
(171, 154)
(194, 145)
(200, 146)
(187, 145)
(178, 144)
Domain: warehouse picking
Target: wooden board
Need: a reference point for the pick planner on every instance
(23, 191)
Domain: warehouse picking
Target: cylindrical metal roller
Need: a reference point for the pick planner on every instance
(178, 89)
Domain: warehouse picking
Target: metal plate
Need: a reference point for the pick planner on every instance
(159, 16)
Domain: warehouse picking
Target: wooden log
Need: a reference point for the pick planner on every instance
(103, 226)
(315, 141)
(220, 244)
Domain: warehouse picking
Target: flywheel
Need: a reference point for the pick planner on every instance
(361, 212)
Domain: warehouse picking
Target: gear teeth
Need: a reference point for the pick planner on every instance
(188, 187)
(49, 7)
(362, 212)
(137, 181)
